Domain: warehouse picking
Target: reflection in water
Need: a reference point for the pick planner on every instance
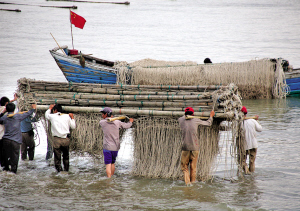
(247, 192)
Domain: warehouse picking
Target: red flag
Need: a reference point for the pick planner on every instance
(77, 20)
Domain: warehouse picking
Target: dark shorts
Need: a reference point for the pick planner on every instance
(109, 156)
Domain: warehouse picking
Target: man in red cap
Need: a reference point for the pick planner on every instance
(250, 126)
(190, 143)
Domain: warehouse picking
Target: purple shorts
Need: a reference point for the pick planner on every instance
(109, 156)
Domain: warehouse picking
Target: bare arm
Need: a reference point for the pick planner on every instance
(15, 98)
(48, 112)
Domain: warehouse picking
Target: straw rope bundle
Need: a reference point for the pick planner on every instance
(157, 137)
(256, 79)
(159, 63)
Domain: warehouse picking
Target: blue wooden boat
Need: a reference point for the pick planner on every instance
(83, 68)
(293, 81)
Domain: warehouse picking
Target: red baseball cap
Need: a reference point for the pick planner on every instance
(244, 110)
(189, 109)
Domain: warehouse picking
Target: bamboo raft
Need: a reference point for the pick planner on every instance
(155, 108)
(136, 100)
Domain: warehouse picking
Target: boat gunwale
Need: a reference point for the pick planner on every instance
(57, 56)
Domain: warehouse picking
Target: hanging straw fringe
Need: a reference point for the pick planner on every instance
(256, 79)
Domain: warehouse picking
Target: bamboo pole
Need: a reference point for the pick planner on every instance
(11, 10)
(195, 117)
(106, 2)
(134, 112)
(64, 7)
(251, 117)
(117, 118)
(11, 115)
(117, 103)
(125, 87)
(81, 91)
(196, 108)
(95, 89)
(201, 117)
(58, 45)
(206, 97)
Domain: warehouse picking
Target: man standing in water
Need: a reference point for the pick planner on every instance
(12, 138)
(28, 144)
(3, 102)
(250, 126)
(190, 143)
(111, 139)
(60, 129)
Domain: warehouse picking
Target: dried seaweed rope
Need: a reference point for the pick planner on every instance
(256, 79)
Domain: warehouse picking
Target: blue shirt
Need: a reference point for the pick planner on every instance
(26, 124)
(12, 126)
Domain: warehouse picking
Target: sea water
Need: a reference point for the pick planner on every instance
(171, 30)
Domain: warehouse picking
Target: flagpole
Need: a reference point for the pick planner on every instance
(71, 30)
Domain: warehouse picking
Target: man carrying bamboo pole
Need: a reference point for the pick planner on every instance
(190, 143)
(28, 144)
(111, 139)
(250, 126)
(60, 129)
(3, 102)
(12, 138)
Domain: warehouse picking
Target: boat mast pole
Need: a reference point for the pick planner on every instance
(58, 45)
(71, 30)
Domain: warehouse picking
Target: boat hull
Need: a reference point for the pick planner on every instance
(90, 73)
(293, 81)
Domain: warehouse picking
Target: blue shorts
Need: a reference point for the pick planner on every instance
(109, 156)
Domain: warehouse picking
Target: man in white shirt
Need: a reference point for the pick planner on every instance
(251, 126)
(60, 128)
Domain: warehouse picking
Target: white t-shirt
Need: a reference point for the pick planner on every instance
(251, 126)
(60, 123)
